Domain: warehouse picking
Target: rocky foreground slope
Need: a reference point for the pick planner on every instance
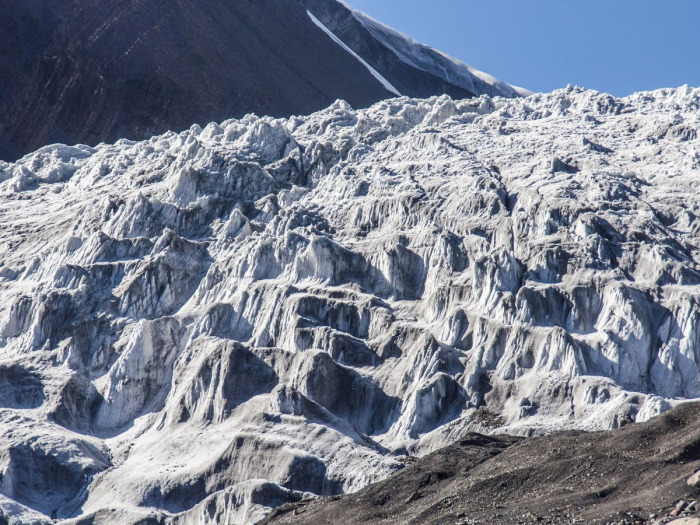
(206, 325)
(634, 475)
(95, 71)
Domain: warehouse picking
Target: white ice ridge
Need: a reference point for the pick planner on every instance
(204, 325)
(434, 61)
(338, 41)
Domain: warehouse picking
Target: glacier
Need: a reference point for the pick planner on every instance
(199, 327)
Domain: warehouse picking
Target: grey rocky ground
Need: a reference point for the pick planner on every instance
(634, 475)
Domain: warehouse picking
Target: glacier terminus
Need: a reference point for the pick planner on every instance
(202, 326)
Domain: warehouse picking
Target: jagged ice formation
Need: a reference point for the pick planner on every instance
(205, 325)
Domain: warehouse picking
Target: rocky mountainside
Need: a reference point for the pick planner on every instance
(634, 475)
(205, 325)
(79, 71)
(410, 66)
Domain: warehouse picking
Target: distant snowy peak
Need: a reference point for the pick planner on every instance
(401, 64)
(436, 62)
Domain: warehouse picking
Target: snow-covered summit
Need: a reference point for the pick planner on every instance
(207, 324)
(436, 62)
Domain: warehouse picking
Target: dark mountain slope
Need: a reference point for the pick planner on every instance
(621, 476)
(85, 72)
(77, 71)
(409, 80)
(414, 69)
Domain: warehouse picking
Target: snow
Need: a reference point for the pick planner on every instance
(523, 92)
(374, 72)
(434, 61)
(207, 324)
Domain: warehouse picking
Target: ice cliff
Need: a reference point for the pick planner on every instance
(207, 324)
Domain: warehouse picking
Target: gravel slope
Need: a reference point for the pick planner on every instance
(620, 476)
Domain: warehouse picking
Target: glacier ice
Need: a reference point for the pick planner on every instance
(204, 325)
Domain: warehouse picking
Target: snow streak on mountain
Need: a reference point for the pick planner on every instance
(205, 325)
(79, 71)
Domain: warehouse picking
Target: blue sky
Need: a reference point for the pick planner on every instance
(616, 46)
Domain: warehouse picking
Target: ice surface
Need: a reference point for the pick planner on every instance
(207, 324)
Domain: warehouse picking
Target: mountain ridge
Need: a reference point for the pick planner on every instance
(87, 73)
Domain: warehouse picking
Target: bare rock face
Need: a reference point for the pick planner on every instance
(90, 72)
(205, 325)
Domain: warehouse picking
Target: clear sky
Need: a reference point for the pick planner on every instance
(616, 46)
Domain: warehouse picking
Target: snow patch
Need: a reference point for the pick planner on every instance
(374, 72)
